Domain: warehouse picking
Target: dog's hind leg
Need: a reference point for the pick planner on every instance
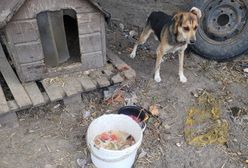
(143, 37)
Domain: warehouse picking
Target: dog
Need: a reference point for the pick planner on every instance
(174, 34)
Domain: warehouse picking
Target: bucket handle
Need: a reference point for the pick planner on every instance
(143, 124)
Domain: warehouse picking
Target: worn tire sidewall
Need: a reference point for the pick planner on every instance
(220, 51)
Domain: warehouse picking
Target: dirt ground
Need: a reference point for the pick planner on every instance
(53, 136)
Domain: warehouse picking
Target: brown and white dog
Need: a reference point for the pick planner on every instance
(173, 32)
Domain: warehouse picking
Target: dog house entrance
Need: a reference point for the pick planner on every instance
(59, 37)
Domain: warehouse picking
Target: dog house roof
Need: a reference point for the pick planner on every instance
(9, 7)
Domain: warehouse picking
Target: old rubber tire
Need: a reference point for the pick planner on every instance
(223, 31)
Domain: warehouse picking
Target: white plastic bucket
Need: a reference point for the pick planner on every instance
(104, 158)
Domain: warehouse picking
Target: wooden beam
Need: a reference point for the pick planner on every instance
(34, 93)
(3, 103)
(17, 90)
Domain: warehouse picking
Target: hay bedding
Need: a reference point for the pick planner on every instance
(203, 123)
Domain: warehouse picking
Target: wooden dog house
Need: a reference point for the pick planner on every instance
(46, 38)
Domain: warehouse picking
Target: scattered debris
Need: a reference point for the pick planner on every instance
(121, 26)
(239, 115)
(133, 33)
(56, 80)
(114, 95)
(203, 124)
(154, 110)
(178, 144)
(142, 154)
(246, 70)
(81, 162)
(48, 166)
(86, 114)
(57, 106)
(131, 99)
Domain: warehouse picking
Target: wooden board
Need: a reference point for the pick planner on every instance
(28, 52)
(54, 91)
(89, 23)
(103, 32)
(13, 105)
(92, 60)
(22, 31)
(31, 8)
(87, 83)
(31, 71)
(34, 93)
(17, 90)
(72, 87)
(90, 42)
(3, 103)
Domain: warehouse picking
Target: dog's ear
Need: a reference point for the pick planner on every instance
(177, 18)
(196, 12)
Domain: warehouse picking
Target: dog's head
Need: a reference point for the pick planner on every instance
(186, 24)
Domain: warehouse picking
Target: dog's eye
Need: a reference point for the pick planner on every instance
(186, 28)
(195, 28)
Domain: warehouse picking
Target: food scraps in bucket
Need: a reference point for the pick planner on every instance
(137, 119)
(114, 140)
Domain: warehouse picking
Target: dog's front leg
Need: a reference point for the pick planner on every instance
(160, 53)
(183, 79)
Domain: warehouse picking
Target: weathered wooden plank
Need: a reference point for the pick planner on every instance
(54, 90)
(3, 103)
(87, 83)
(28, 52)
(13, 105)
(8, 9)
(116, 61)
(2, 54)
(103, 36)
(89, 23)
(100, 78)
(31, 8)
(45, 96)
(15, 86)
(72, 87)
(90, 42)
(31, 71)
(117, 78)
(34, 93)
(92, 60)
(102, 81)
(22, 31)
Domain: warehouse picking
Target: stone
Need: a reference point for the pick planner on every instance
(130, 74)
(117, 78)
(102, 82)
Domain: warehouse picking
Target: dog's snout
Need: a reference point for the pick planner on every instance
(192, 41)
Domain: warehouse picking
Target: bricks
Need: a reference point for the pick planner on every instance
(117, 78)
(108, 72)
(87, 83)
(102, 82)
(129, 74)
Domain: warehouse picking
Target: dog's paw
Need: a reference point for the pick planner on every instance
(132, 55)
(183, 79)
(157, 79)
